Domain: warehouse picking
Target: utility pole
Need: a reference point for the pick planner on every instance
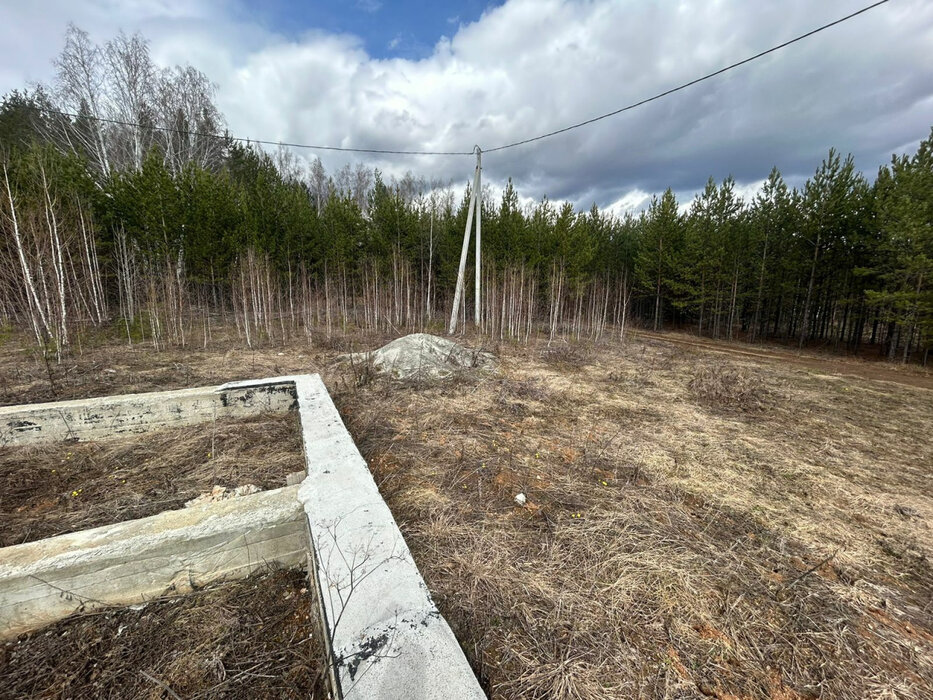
(479, 220)
(475, 205)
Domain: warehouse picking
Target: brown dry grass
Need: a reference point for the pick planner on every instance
(253, 638)
(49, 490)
(775, 546)
(746, 542)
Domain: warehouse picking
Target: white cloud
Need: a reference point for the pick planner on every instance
(748, 190)
(631, 202)
(531, 66)
(369, 5)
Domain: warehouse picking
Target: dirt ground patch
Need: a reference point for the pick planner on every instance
(53, 489)
(696, 524)
(253, 638)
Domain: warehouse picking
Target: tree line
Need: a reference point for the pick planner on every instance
(146, 222)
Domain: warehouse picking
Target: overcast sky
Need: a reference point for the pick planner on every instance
(446, 76)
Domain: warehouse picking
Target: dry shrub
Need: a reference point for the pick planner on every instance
(361, 373)
(242, 639)
(334, 343)
(528, 389)
(568, 355)
(629, 380)
(344, 342)
(666, 359)
(723, 386)
(515, 395)
(361, 370)
(461, 377)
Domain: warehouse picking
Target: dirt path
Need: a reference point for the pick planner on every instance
(840, 366)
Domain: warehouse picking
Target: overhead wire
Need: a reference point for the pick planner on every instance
(244, 139)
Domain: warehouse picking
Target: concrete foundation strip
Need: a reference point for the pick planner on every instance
(115, 416)
(135, 561)
(385, 636)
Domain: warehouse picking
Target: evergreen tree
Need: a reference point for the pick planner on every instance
(906, 217)
(662, 239)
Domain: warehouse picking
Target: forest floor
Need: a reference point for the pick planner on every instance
(699, 522)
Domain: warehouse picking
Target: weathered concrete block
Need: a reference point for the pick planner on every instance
(135, 561)
(112, 416)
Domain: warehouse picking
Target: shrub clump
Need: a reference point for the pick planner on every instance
(729, 388)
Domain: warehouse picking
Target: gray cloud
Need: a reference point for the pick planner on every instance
(531, 66)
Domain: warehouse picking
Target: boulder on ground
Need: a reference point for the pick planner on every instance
(423, 356)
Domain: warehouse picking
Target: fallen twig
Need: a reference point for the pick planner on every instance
(811, 570)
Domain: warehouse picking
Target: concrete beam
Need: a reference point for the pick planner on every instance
(112, 416)
(387, 638)
(135, 561)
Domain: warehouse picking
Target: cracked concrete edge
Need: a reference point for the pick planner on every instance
(419, 643)
(138, 560)
(388, 639)
(130, 414)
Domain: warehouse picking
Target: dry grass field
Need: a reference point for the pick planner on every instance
(698, 523)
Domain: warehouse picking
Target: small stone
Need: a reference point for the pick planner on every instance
(222, 493)
(246, 490)
(521, 499)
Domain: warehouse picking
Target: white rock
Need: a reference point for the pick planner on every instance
(422, 355)
(521, 499)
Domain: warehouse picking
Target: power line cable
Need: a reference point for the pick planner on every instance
(386, 151)
(204, 134)
(686, 85)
